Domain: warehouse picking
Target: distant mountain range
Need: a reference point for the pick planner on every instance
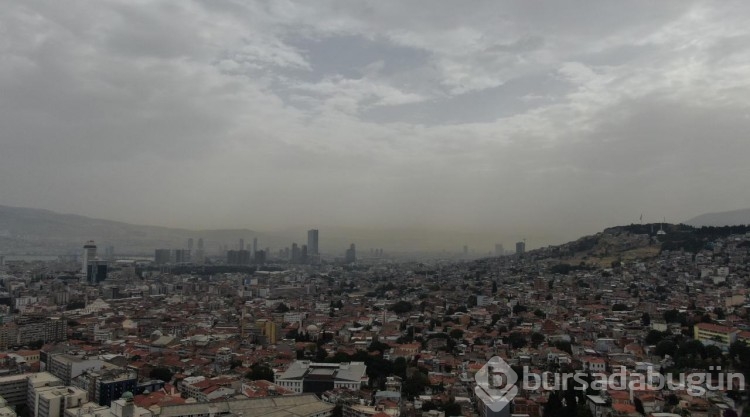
(725, 218)
(36, 231)
(28, 231)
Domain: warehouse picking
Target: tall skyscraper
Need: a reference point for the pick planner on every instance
(520, 247)
(499, 251)
(89, 254)
(96, 272)
(296, 254)
(199, 254)
(162, 256)
(190, 245)
(242, 244)
(351, 254)
(255, 244)
(312, 242)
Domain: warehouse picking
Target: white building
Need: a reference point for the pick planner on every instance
(307, 376)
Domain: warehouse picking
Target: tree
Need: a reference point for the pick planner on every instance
(282, 308)
(401, 307)
(639, 406)
(399, 367)
(536, 339)
(646, 319)
(653, 337)
(516, 340)
(666, 347)
(518, 308)
(260, 371)
(452, 408)
(161, 373)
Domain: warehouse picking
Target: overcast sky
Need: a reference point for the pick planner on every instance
(546, 120)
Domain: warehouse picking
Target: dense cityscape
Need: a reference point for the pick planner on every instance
(365, 208)
(297, 332)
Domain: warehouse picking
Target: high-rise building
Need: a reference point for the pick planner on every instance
(96, 272)
(89, 254)
(181, 256)
(199, 253)
(242, 244)
(190, 245)
(312, 242)
(499, 251)
(351, 254)
(109, 253)
(238, 257)
(466, 250)
(260, 257)
(162, 256)
(520, 247)
(255, 244)
(296, 254)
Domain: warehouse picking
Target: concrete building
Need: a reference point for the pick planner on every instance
(53, 401)
(107, 384)
(89, 254)
(312, 377)
(715, 334)
(67, 367)
(13, 389)
(312, 242)
(267, 331)
(27, 330)
(37, 383)
(279, 406)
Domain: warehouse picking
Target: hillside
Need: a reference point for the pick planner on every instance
(636, 241)
(35, 231)
(725, 218)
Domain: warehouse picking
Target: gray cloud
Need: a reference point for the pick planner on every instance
(500, 119)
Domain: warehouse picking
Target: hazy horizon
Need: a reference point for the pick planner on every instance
(498, 122)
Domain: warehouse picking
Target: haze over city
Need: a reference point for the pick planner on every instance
(504, 121)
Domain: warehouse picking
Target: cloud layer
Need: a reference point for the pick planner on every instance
(513, 119)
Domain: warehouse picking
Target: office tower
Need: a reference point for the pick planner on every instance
(499, 251)
(162, 256)
(190, 245)
(242, 244)
(260, 257)
(351, 254)
(312, 242)
(466, 250)
(89, 254)
(181, 256)
(520, 247)
(96, 272)
(255, 244)
(238, 257)
(303, 254)
(199, 255)
(296, 254)
(109, 253)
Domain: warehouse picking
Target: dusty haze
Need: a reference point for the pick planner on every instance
(501, 120)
